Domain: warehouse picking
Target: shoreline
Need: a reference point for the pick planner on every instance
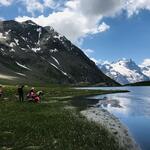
(113, 124)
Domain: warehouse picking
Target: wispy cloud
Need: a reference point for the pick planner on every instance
(146, 62)
(33, 6)
(103, 27)
(134, 6)
(5, 2)
(88, 51)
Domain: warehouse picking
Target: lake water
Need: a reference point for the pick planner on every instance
(134, 112)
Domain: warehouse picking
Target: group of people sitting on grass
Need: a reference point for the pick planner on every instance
(32, 95)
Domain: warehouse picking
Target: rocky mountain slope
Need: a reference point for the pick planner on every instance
(125, 71)
(31, 53)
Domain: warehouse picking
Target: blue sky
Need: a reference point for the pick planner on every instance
(104, 29)
(126, 38)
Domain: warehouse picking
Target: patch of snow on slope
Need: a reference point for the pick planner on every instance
(36, 49)
(58, 37)
(17, 41)
(55, 60)
(23, 66)
(40, 32)
(12, 50)
(6, 33)
(23, 38)
(32, 23)
(59, 69)
(28, 46)
(2, 37)
(2, 49)
(23, 49)
(21, 74)
(53, 50)
(12, 44)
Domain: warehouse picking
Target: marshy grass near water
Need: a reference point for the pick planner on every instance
(49, 124)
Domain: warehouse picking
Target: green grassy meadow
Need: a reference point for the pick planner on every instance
(51, 124)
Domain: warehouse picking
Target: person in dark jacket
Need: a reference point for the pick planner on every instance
(21, 93)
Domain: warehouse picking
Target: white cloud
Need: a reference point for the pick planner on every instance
(103, 27)
(48, 3)
(6, 2)
(80, 18)
(71, 22)
(94, 60)
(145, 63)
(72, 4)
(88, 51)
(134, 6)
(35, 5)
(67, 23)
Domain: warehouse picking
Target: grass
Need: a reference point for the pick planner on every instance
(144, 83)
(48, 126)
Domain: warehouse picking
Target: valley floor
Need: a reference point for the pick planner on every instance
(52, 124)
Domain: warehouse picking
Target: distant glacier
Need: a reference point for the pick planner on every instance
(126, 71)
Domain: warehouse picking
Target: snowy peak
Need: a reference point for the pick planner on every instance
(29, 22)
(125, 71)
(127, 63)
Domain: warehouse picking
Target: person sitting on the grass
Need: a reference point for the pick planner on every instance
(33, 96)
(37, 98)
(1, 91)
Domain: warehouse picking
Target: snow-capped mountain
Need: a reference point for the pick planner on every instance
(35, 54)
(145, 67)
(125, 71)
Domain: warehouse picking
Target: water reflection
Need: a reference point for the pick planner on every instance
(134, 111)
(134, 103)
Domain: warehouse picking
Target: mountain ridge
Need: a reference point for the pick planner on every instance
(29, 52)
